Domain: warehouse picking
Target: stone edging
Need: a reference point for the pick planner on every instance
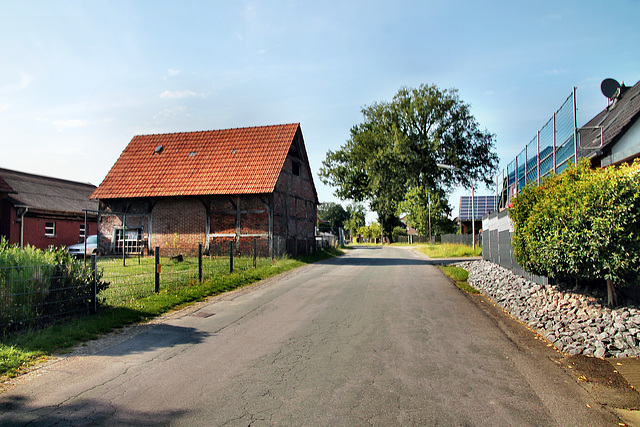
(576, 323)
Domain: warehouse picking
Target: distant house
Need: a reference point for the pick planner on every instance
(176, 191)
(42, 211)
(410, 231)
(482, 205)
(612, 137)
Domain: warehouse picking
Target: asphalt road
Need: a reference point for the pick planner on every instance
(376, 337)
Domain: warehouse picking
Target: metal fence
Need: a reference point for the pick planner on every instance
(35, 296)
(415, 239)
(41, 294)
(461, 239)
(549, 152)
(497, 233)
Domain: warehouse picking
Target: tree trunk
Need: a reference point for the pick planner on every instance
(612, 295)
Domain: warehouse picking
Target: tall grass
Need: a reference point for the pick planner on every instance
(449, 250)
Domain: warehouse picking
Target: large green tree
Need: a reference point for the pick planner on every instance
(427, 212)
(356, 219)
(332, 216)
(398, 146)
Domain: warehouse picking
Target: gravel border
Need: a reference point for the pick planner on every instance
(575, 321)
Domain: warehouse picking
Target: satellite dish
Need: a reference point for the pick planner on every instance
(609, 88)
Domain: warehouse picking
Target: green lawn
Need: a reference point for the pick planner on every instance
(459, 276)
(131, 299)
(448, 250)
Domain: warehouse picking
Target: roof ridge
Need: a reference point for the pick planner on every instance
(220, 130)
(34, 175)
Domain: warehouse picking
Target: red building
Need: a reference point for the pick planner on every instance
(175, 191)
(42, 211)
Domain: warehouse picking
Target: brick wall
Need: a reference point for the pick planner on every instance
(67, 227)
(295, 205)
(178, 226)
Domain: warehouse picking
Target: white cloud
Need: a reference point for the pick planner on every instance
(171, 113)
(555, 72)
(173, 72)
(25, 81)
(68, 124)
(64, 124)
(178, 94)
(249, 12)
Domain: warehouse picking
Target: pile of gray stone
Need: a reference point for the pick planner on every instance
(576, 321)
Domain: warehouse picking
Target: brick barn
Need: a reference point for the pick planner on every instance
(42, 211)
(175, 191)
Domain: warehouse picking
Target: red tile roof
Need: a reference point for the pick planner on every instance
(229, 161)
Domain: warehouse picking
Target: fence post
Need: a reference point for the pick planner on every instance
(94, 269)
(231, 256)
(157, 265)
(200, 262)
(255, 252)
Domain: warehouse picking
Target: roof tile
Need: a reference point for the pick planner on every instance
(229, 161)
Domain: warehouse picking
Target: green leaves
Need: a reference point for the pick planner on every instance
(582, 224)
(399, 144)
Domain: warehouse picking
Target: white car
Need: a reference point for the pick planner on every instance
(78, 250)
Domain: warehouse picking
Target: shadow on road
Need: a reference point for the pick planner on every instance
(17, 411)
(157, 336)
(371, 258)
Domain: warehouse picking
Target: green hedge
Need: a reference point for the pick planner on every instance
(583, 224)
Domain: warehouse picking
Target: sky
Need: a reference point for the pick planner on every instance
(79, 79)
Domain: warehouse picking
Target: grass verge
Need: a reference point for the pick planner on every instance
(459, 276)
(19, 351)
(449, 250)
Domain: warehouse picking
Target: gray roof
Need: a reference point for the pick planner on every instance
(614, 121)
(4, 187)
(49, 194)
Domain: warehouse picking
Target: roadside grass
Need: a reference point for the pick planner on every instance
(20, 350)
(449, 250)
(459, 276)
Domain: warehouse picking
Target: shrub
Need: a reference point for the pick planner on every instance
(583, 224)
(36, 285)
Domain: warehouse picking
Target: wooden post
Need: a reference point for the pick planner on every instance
(94, 269)
(255, 252)
(157, 265)
(200, 262)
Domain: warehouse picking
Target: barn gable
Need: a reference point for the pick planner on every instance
(182, 189)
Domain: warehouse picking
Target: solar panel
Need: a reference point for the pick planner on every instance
(483, 205)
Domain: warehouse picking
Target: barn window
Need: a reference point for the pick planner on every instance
(295, 168)
(50, 229)
(82, 232)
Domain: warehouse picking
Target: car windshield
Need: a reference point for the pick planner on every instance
(92, 240)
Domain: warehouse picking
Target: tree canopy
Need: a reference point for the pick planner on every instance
(331, 216)
(356, 219)
(398, 146)
(427, 219)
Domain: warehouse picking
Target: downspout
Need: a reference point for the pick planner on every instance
(22, 213)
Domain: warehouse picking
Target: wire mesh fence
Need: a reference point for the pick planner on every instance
(35, 296)
(41, 294)
(549, 152)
